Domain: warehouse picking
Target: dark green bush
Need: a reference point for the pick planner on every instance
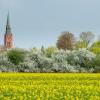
(96, 63)
(16, 56)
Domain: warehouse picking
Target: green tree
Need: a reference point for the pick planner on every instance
(80, 44)
(96, 63)
(16, 56)
(50, 51)
(95, 47)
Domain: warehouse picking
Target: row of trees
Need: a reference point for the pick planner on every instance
(69, 55)
(67, 41)
(18, 60)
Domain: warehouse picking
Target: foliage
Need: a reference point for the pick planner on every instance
(5, 65)
(34, 49)
(85, 57)
(81, 57)
(87, 37)
(95, 48)
(50, 51)
(3, 56)
(59, 61)
(39, 61)
(16, 56)
(69, 55)
(80, 44)
(66, 41)
(96, 63)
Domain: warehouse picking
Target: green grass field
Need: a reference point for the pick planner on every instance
(38, 86)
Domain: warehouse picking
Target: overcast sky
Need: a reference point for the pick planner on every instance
(40, 22)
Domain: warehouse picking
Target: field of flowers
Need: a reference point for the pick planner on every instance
(49, 86)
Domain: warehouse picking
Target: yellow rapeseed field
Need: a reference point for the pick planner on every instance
(49, 86)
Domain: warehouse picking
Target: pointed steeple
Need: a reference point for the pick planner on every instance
(8, 28)
(8, 37)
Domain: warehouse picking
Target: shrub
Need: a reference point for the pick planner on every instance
(5, 65)
(85, 57)
(81, 60)
(16, 56)
(41, 61)
(95, 48)
(81, 57)
(96, 63)
(60, 63)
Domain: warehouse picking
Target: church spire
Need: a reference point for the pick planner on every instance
(8, 37)
(8, 28)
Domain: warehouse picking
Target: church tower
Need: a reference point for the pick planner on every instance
(8, 37)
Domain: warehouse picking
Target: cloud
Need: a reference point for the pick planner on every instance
(8, 4)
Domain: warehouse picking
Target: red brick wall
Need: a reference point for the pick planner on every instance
(8, 40)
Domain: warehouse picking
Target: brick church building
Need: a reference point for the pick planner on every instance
(8, 37)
